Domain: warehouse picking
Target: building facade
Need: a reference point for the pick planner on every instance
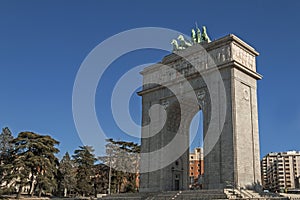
(196, 168)
(281, 171)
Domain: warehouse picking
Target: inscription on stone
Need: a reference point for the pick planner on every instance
(243, 57)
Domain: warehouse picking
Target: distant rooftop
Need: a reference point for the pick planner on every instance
(291, 152)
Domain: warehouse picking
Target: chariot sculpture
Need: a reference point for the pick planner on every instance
(196, 38)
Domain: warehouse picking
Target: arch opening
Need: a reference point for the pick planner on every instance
(196, 158)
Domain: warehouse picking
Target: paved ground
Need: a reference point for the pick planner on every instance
(291, 196)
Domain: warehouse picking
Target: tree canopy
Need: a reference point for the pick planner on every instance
(123, 158)
(66, 175)
(85, 159)
(34, 162)
(28, 163)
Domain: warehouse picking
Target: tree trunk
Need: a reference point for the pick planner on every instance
(31, 189)
(119, 187)
(65, 192)
(19, 192)
(96, 191)
(40, 193)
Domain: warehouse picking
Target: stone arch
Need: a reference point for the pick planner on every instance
(234, 155)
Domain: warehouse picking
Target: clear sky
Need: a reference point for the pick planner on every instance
(43, 43)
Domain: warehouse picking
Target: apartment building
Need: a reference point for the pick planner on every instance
(281, 171)
(196, 168)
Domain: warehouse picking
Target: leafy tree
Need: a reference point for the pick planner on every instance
(66, 178)
(34, 162)
(123, 158)
(85, 159)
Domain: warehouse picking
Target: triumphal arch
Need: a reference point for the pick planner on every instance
(219, 78)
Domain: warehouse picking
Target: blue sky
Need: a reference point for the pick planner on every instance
(43, 43)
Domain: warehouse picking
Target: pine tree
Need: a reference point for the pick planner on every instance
(67, 179)
(34, 162)
(19, 172)
(5, 156)
(5, 145)
(85, 159)
(101, 178)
